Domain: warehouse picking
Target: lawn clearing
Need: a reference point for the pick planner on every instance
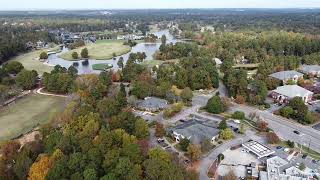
(101, 50)
(30, 61)
(102, 66)
(151, 63)
(27, 113)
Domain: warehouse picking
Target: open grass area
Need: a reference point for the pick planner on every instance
(101, 50)
(30, 62)
(102, 66)
(27, 113)
(151, 63)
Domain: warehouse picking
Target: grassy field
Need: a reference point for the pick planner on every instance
(101, 50)
(26, 113)
(30, 61)
(151, 63)
(102, 66)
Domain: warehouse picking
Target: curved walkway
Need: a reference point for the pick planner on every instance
(38, 91)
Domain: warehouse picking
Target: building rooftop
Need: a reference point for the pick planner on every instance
(276, 170)
(292, 91)
(197, 130)
(310, 68)
(152, 104)
(258, 149)
(285, 75)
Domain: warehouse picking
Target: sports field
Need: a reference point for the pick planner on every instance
(101, 50)
(27, 113)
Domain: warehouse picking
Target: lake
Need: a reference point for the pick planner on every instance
(148, 48)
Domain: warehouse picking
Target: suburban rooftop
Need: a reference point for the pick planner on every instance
(285, 75)
(292, 91)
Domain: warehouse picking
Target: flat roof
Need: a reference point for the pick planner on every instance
(258, 149)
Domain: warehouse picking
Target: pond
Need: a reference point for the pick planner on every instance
(148, 48)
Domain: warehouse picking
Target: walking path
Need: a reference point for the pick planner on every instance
(38, 91)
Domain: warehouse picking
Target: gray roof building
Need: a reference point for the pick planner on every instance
(310, 69)
(195, 130)
(286, 75)
(152, 104)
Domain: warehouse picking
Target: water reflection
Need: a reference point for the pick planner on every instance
(148, 48)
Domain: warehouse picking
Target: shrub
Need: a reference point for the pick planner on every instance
(84, 53)
(238, 115)
(44, 55)
(170, 112)
(226, 134)
(290, 144)
(286, 111)
(240, 99)
(184, 143)
(262, 126)
(75, 55)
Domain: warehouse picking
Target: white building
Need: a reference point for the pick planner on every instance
(284, 94)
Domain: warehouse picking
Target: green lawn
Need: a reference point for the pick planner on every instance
(26, 113)
(102, 66)
(151, 63)
(30, 62)
(101, 50)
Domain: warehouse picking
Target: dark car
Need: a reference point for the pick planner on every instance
(296, 132)
(304, 156)
(279, 147)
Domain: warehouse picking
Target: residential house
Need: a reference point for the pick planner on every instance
(286, 76)
(152, 104)
(313, 70)
(284, 94)
(196, 131)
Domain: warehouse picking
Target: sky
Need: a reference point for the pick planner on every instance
(152, 4)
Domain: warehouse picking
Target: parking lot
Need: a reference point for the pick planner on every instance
(236, 160)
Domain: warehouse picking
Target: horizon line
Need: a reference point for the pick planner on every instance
(99, 9)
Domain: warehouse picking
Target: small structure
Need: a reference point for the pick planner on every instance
(313, 70)
(284, 94)
(40, 44)
(196, 131)
(286, 76)
(152, 104)
(258, 149)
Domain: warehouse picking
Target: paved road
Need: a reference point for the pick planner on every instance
(284, 128)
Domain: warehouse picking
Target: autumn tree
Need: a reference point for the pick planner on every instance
(262, 126)
(273, 138)
(193, 152)
(160, 131)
